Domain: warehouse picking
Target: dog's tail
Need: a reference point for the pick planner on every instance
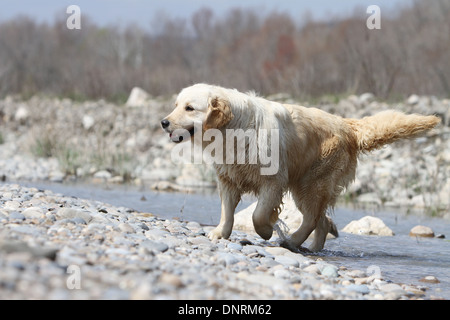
(388, 126)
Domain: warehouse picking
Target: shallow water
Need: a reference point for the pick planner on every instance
(401, 258)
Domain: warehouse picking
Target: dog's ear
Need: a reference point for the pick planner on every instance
(219, 114)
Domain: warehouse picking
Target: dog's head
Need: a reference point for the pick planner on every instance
(199, 106)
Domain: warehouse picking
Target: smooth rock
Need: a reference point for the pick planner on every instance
(27, 229)
(366, 98)
(430, 279)
(88, 122)
(125, 227)
(56, 176)
(194, 226)
(390, 287)
(356, 273)
(282, 274)
(368, 225)
(16, 215)
(103, 174)
(268, 262)
(297, 256)
(138, 98)
(69, 213)
(277, 251)
(11, 205)
(33, 212)
(200, 241)
(22, 115)
(421, 231)
(234, 246)
(330, 271)
(171, 279)
(77, 220)
(154, 246)
(313, 268)
(287, 261)
(227, 259)
(360, 288)
(413, 99)
(37, 252)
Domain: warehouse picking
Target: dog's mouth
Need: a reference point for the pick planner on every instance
(180, 135)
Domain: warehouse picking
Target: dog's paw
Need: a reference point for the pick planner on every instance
(290, 246)
(218, 233)
(215, 234)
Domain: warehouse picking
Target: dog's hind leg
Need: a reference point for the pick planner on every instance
(308, 225)
(320, 234)
(313, 208)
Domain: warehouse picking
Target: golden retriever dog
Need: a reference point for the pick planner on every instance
(314, 153)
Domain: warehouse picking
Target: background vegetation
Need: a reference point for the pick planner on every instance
(270, 54)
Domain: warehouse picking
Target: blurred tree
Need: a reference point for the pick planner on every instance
(243, 49)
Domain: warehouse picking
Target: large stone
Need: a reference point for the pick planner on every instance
(368, 226)
(330, 271)
(138, 98)
(22, 115)
(88, 122)
(421, 231)
(11, 246)
(33, 212)
(366, 98)
(429, 279)
(69, 213)
(287, 261)
(413, 99)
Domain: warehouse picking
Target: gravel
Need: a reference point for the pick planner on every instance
(58, 247)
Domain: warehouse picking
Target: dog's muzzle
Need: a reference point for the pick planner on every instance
(177, 135)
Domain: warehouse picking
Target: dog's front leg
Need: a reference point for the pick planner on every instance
(230, 198)
(266, 211)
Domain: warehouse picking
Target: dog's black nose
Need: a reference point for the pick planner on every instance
(165, 123)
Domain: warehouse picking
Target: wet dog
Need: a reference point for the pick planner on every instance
(316, 153)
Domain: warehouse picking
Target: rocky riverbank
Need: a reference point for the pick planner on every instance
(60, 139)
(58, 247)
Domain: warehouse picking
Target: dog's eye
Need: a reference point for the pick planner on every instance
(189, 108)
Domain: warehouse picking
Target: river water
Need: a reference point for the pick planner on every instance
(401, 258)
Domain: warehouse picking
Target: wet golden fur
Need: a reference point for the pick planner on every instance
(317, 154)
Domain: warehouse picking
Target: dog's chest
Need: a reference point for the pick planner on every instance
(245, 177)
